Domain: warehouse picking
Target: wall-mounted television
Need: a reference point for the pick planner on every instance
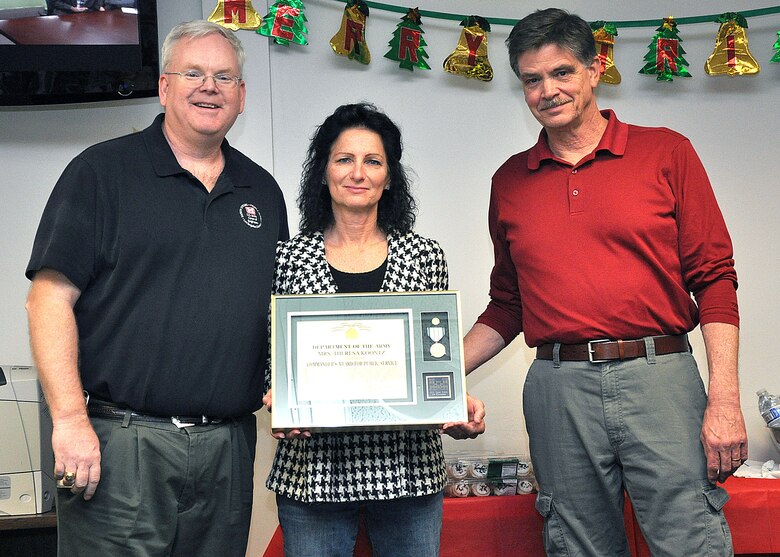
(102, 50)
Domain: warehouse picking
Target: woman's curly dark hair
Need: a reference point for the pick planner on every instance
(397, 208)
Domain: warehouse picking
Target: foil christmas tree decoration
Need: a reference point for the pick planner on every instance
(665, 54)
(407, 44)
(285, 23)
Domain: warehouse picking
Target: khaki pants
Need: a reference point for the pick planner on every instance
(598, 429)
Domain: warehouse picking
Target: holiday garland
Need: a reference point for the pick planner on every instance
(286, 23)
(511, 22)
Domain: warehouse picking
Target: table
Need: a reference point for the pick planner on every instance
(30, 534)
(109, 27)
(510, 526)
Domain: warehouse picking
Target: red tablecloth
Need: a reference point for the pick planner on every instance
(753, 514)
(510, 526)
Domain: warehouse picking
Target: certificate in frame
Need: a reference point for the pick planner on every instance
(367, 361)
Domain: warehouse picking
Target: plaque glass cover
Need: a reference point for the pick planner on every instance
(356, 361)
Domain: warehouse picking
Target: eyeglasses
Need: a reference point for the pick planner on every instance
(197, 78)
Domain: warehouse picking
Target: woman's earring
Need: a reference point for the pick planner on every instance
(387, 186)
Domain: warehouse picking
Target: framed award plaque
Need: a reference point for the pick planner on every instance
(357, 361)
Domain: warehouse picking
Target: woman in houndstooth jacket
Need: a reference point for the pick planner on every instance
(357, 215)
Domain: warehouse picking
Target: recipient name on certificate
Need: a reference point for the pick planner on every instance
(351, 360)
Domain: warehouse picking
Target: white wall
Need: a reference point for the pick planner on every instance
(456, 132)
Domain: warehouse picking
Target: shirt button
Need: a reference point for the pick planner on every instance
(575, 192)
(574, 171)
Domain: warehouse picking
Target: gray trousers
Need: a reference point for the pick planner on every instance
(164, 492)
(597, 429)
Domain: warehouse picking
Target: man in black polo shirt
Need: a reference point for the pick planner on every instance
(151, 275)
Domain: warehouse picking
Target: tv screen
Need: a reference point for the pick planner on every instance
(68, 51)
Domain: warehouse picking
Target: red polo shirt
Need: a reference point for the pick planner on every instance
(611, 247)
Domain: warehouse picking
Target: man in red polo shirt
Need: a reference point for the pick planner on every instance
(603, 230)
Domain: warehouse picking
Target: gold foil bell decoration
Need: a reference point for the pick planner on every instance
(235, 15)
(604, 34)
(470, 57)
(350, 41)
(731, 55)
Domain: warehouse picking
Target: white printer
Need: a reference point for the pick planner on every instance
(26, 459)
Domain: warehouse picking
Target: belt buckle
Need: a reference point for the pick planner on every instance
(592, 351)
(178, 423)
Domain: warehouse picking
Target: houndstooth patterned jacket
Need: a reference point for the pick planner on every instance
(366, 465)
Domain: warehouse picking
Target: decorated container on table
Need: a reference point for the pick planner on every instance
(480, 465)
(482, 474)
(481, 488)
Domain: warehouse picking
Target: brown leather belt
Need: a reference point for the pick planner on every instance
(607, 350)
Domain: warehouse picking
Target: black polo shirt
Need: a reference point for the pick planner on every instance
(175, 281)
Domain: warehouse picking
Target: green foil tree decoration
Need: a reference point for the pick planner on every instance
(665, 53)
(407, 44)
(285, 23)
(776, 57)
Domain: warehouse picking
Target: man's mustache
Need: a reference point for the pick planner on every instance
(552, 103)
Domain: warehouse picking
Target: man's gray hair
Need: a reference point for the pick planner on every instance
(196, 29)
(552, 26)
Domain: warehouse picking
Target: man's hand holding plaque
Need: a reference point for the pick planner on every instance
(474, 427)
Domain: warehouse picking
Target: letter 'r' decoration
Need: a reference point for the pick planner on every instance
(407, 43)
(350, 40)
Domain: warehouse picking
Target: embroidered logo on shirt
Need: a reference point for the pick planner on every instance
(250, 215)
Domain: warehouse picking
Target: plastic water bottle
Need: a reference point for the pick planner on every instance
(769, 406)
